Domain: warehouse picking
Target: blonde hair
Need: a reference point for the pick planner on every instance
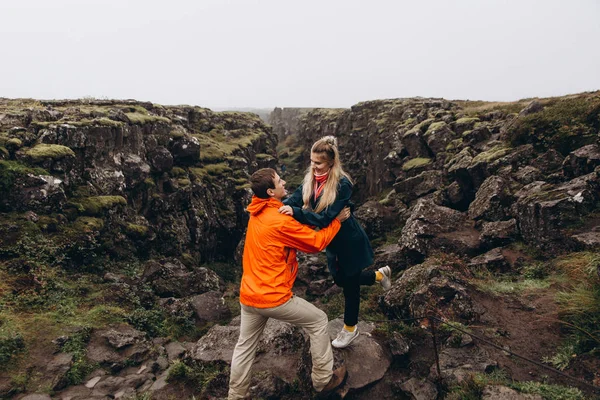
(327, 148)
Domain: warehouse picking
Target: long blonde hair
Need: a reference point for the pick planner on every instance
(327, 147)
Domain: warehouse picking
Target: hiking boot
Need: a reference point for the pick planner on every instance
(344, 338)
(337, 379)
(386, 282)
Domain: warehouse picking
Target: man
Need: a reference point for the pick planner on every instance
(270, 269)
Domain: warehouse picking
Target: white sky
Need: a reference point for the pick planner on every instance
(308, 53)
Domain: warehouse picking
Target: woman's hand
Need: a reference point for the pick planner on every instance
(287, 210)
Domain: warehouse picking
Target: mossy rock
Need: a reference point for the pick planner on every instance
(4, 152)
(142, 118)
(219, 169)
(136, 231)
(88, 224)
(466, 121)
(493, 154)
(436, 126)
(42, 152)
(183, 182)
(97, 205)
(11, 170)
(264, 157)
(416, 163)
(563, 124)
(14, 144)
(177, 172)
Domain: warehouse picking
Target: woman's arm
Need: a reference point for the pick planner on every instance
(324, 218)
(295, 200)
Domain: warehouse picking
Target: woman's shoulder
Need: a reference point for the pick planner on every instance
(345, 182)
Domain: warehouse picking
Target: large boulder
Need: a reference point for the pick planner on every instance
(185, 150)
(582, 161)
(432, 227)
(544, 211)
(417, 186)
(432, 285)
(492, 200)
(458, 364)
(438, 136)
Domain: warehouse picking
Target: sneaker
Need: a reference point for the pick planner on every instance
(344, 338)
(337, 379)
(386, 282)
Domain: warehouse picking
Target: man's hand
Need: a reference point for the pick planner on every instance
(287, 210)
(344, 214)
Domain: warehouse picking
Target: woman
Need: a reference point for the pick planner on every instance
(325, 191)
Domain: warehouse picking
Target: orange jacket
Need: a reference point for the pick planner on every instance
(269, 261)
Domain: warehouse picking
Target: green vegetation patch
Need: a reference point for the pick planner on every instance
(564, 124)
(416, 163)
(11, 342)
(436, 126)
(11, 170)
(492, 154)
(142, 118)
(97, 205)
(88, 224)
(42, 152)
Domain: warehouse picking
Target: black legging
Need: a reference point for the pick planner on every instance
(351, 285)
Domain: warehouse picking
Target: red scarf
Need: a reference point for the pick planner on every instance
(320, 183)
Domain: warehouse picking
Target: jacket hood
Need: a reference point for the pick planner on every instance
(257, 204)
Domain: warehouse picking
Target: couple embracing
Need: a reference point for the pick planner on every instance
(276, 229)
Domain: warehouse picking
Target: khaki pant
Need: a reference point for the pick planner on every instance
(296, 311)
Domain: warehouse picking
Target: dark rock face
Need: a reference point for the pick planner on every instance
(492, 200)
(434, 227)
(544, 210)
(498, 233)
(429, 286)
(412, 188)
(173, 279)
(582, 161)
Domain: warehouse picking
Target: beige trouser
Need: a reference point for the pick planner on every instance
(296, 311)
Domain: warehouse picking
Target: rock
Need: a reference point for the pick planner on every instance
(492, 200)
(477, 135)
(432, 227)
(429, 285)
(414, 144)
(174, 351)
(268, 387)
(412, 188)
(365, 359)
(532, 108)
(399, 345)
(391, 255)
(79, 392)
(318, 287)
(36, 396)
(588, 240)
(527, 174)
(122, 336)
(548, 162)
(493, 260)
(116, 345)
(92, 382)
(108, 386)
(185, 150)
(456, 364)
(161, 159)
(498, 233)
(420, 389)
(582, 161)
(58, 368)
(438, 136)
(173, 279)
(376, 218)
(39, 193)
(210, 307)
(134, 169)
(543, 210)
(493, 392)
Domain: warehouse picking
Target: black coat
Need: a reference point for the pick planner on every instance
(350, 251)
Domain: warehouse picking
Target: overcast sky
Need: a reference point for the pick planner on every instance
(267, 53)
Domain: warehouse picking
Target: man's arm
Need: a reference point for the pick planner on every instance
(301, 237)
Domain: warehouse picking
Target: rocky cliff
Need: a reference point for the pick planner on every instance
(121, 222)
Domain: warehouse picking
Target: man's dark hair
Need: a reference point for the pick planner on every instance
(261, 181)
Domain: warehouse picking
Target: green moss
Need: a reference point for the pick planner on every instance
(218, 169)
(549, 392)
(493, 154)
(97, 205)
(264, 157)
(149, 182)
(466, 121)
(42, 152)
(4, 152)
(177, 172)
(88, 224)
(136, 230)
(14, 143)
(455, 144)
(564, 124)
(183, 182)
(11, 342)
(199, 173)
(140, 118)
(436, 126)
(416, 163)
(11, 170)
(102, 121)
